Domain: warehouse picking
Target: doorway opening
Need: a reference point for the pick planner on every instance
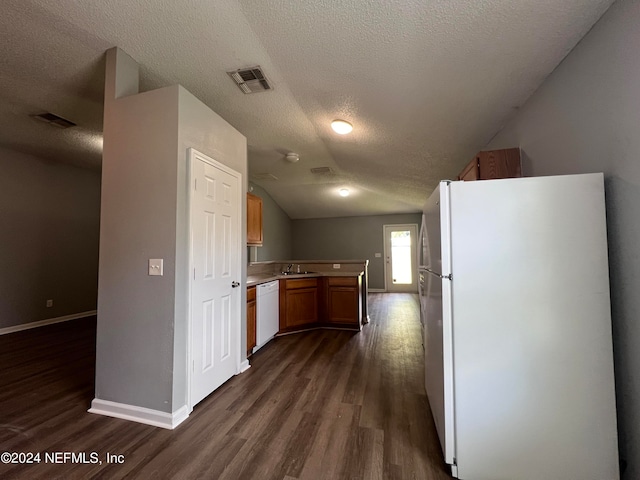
(401, 261)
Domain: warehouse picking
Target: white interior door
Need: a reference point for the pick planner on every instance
(401, 265)
(215, 298)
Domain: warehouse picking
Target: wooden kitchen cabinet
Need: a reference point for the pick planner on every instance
(251, 319)
(343, 301)
(331, 301)
(493, 164)
(298, 303)
(254, 220)
(499, 164)
(470, 172)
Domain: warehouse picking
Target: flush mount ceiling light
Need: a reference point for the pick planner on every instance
(344, 192)
(341, 127)
(292, 157)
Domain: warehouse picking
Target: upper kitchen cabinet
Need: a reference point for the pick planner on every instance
(493, 164)
(254, 220)
(471, 171)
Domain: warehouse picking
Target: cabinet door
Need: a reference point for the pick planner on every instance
(470, 172)
(254, 220)
(343, 300)
(301, 307)
(343, 305)
(251, 319)
(499, 164)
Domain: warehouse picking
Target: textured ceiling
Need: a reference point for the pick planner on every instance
(426, 83)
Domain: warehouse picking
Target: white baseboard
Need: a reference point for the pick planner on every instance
(48, 321)
(376, 290)
(244, 366)
(139, 414)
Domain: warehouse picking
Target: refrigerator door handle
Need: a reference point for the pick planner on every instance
(439, 275)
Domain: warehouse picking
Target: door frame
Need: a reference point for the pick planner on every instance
(414, 252)
(194, 155)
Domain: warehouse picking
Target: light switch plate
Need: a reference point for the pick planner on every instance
(156, 266)
(378, 255)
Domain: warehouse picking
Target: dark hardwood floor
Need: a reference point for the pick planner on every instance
(321, 404)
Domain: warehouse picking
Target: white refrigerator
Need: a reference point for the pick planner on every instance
(519, 362)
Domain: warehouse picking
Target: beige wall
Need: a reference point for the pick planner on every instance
(134, 355)
(347, 238)
(49, 227)
(141, 357)
(276, 232)
(201, 128)
(586, 118)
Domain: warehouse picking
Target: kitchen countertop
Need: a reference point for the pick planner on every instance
(253, 280)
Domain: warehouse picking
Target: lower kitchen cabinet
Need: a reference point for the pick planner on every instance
(251, 319)
(343, 301)
(298, 303)
(321, 302)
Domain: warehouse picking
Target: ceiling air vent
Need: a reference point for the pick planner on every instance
(251, 80)
(54, 120)
(264, 176)
(322, 170)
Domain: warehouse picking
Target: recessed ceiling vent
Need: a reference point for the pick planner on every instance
(322, 171)
(264, 176)
(251, 80)
(54, 120)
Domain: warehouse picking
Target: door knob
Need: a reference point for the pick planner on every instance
(234, 284)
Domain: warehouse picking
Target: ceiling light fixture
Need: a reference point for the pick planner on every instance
(341, 127)
(344, 192)
(292, 157)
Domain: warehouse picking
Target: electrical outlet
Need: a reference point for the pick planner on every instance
(377, 255)
(49, 303)
(336, 265)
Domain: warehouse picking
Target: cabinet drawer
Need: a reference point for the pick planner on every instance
(301, 283)
(251, 294)
(343, 281)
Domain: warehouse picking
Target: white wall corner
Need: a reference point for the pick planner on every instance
(133, 413)
(122, 75)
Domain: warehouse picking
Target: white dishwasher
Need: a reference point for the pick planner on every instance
(267, 312)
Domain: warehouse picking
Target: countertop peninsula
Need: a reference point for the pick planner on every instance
(262, 272)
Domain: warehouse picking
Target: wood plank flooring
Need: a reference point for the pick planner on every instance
(325, 404)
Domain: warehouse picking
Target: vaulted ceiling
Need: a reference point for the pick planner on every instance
(426, 83)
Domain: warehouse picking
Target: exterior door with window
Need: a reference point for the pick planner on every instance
(401, 259)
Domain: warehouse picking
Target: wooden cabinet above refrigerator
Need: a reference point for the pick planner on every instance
(493, 164)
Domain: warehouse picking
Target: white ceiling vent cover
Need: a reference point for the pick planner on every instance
(251, 80)
(54, 120)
